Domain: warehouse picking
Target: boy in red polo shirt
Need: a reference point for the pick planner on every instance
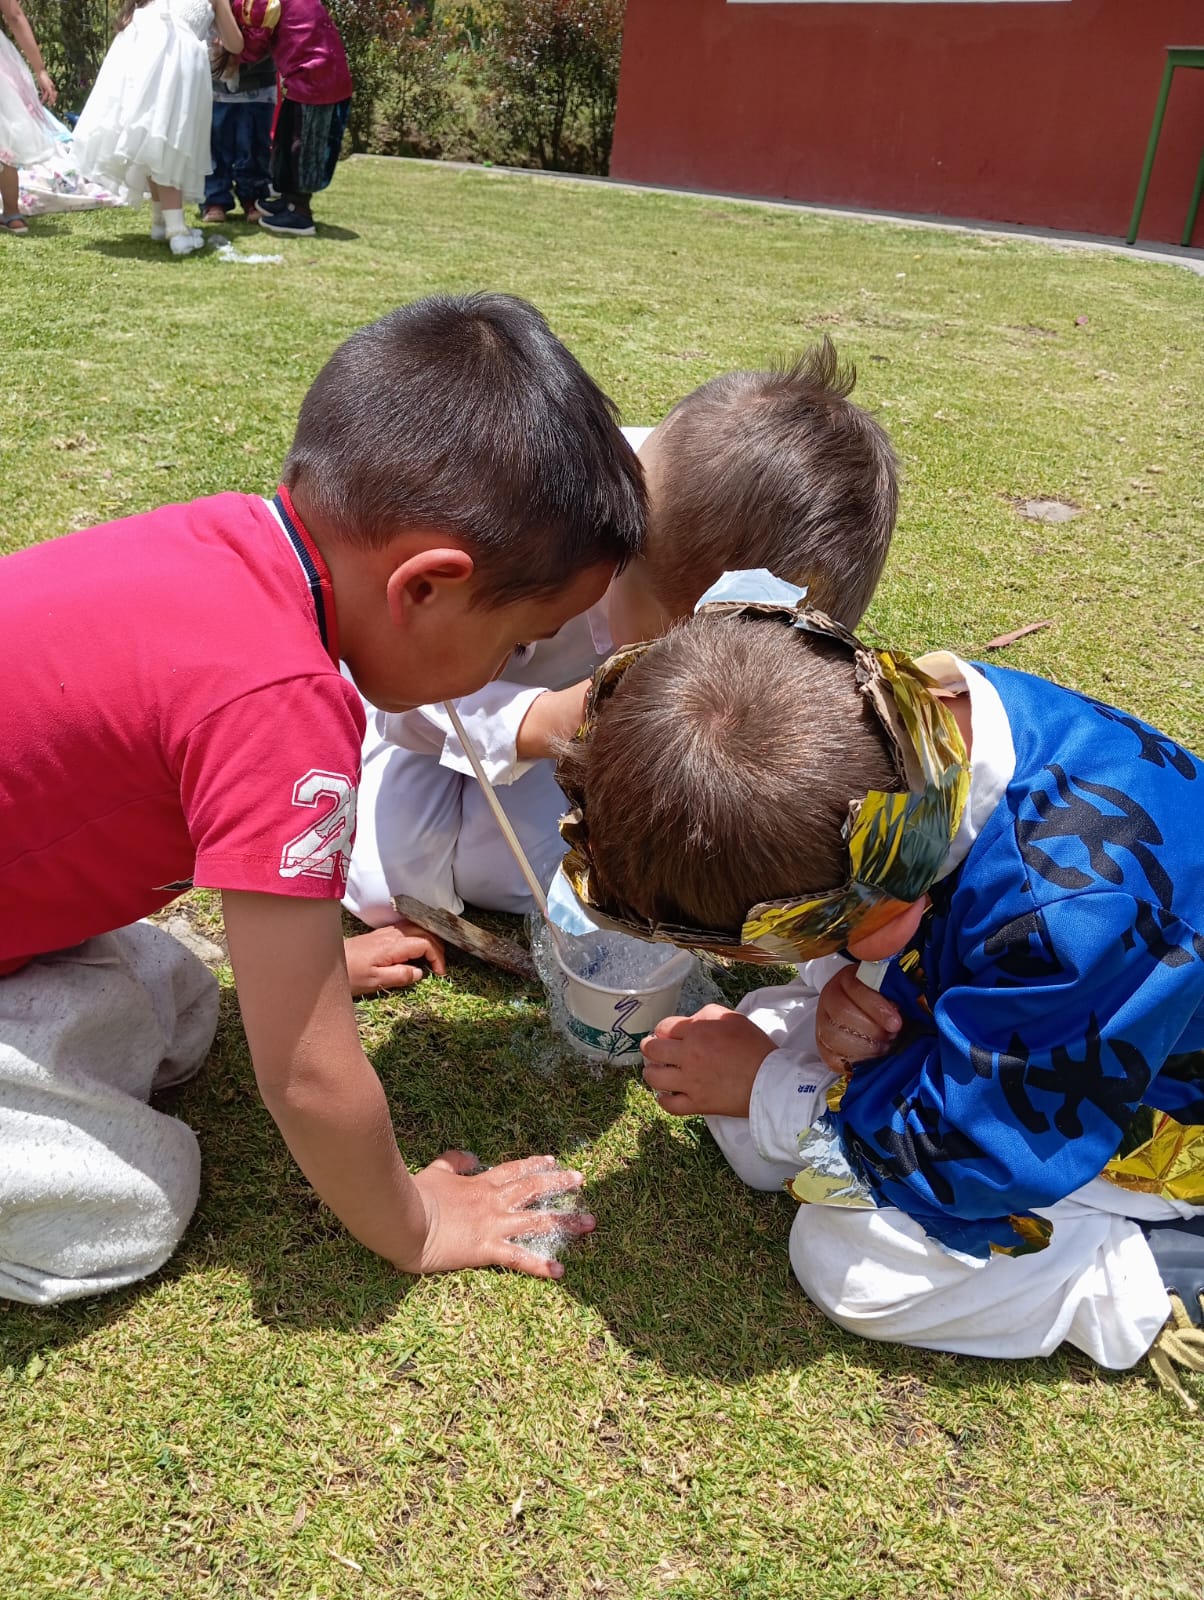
(457, 486)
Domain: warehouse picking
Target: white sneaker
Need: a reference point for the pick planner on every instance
(183, 244)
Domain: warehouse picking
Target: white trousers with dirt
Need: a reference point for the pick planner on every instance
(877, 1273)
(96, 1187)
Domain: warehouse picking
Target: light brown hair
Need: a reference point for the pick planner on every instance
(774, 469)
(720, 771)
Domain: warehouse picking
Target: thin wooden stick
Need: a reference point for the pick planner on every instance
(503, 822)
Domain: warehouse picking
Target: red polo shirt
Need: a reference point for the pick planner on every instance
(172, 712)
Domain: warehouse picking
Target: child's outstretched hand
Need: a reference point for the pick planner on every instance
(705, 1065)
(384, 958)
(853, 1022)
(483, 1219)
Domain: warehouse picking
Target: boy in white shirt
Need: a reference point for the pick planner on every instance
(1005, 1148)
(777, 469)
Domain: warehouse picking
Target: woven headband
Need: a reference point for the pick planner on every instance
(897, 841)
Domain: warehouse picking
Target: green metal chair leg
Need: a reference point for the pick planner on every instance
(1195, 202)
(1151, 148)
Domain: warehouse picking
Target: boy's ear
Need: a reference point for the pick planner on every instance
(420, 578)
(892, 936)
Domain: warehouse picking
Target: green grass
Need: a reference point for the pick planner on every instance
(277, 1413)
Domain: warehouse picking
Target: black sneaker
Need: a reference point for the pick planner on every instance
(273, 205)
(1177, 1246)
(290, 220)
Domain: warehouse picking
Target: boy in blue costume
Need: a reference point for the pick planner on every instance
(1027, 1135)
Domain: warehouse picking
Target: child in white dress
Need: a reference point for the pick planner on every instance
(25, 136)
(146, 123)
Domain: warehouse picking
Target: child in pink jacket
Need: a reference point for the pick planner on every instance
(311, 113)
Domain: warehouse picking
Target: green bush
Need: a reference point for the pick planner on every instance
(397, 65)
(523, 82)
(73, 36)
(553, 66)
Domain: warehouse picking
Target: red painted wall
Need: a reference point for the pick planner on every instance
(1014, 112)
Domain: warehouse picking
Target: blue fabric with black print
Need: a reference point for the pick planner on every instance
(1056, 985)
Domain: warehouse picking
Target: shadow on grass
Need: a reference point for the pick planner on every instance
(688, 1269)
(494, 1081)
(141, 247)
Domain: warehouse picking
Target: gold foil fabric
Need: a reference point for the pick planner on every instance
(1168, 1160)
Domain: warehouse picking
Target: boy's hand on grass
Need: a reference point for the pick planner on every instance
(383, 959)
(853, 1022)
(551, 721)
(331, 1108)
(475, 1218)
(705, 1065)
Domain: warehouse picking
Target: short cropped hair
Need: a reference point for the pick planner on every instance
(774, 469)
(720, 771)
(466, 415)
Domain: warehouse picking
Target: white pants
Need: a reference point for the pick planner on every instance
(407, 824)
(876, 1273)
(96, 1188)
(427, 831)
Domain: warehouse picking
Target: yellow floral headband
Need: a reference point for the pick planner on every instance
(897, 841)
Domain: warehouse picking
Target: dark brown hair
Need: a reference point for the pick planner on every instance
(466, 415)
(774, 469)
(720, 771)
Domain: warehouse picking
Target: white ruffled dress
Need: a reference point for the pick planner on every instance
(151, 107)
(25, 136)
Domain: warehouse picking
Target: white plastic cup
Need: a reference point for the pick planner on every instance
(608, 1024)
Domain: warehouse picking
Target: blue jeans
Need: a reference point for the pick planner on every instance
(241, 147)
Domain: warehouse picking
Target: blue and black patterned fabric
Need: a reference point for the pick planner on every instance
(1056, 985)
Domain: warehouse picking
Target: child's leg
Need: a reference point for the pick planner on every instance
(486, 872)
(259, 172)
(407, 820)
(305, 151)
(9, 189)
(96, 1188)
(167, 214)
(223, 150)
(733, 1135)
(1095, 1285)
(252, 146)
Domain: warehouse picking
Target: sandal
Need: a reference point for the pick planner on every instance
(13, 222)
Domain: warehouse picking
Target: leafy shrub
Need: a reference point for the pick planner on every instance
(532, 82)
(412, 105)
(373, 33)
(73, 36)
(553, 66)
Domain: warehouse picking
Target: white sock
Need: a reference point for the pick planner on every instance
(174, 222)
(156, 214)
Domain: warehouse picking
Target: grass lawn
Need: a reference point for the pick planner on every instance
(277, 1414)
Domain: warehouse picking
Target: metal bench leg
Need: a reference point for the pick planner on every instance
(1155, 132)
(1195, 202)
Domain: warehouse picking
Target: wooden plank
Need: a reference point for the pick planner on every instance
(487, 947)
